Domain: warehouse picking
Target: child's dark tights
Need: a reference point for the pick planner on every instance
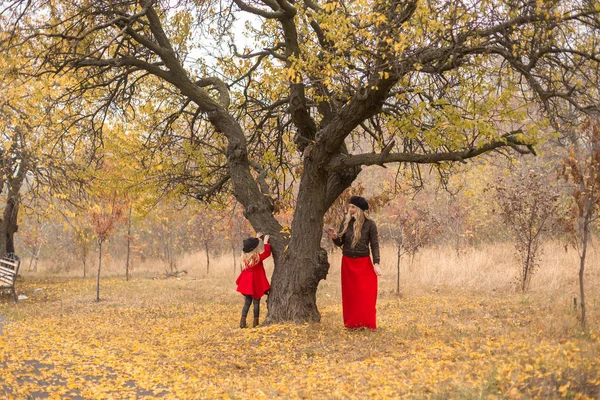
(249, 300)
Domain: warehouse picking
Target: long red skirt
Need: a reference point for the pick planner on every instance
(359, 292)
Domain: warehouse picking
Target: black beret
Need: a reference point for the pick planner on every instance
(359, 202)
(250, 244)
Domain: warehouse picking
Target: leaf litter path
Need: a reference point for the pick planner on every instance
(179, 339)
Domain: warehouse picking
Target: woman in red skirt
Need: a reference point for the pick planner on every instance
(252, 282)
(359, 275)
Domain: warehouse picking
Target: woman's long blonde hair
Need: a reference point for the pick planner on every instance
(359, 220)
(251, 258)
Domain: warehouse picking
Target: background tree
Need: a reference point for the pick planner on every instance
(425, 82)
(104, 216)
(32, 241)
(16, 157)
(83, 243)
(582, 168)
(411, 227)
(204, 227)
(129, 238)
(39, 160)
(528, 205)
(235, 227)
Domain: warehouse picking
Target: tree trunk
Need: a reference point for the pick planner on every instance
(207, 258)
(457, 244)
(99, 267)
(586, 233)
(84, 253)
(399, 248)
(526, 268)
(8, 224)
(300, 268)
(37, 256)
(233, 251)
(2, 238)
(128, 244)
(11, 225)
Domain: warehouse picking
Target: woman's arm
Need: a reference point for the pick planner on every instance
(335, 236)
(374, 241)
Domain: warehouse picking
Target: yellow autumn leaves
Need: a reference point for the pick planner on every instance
(179, 339)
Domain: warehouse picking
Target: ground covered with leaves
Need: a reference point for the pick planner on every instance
(170, 338)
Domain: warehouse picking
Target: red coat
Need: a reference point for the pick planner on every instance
(253, 280)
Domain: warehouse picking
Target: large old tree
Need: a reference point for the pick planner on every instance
(32, 164)
(319, 89)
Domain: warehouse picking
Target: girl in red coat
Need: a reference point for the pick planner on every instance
(359, 274)
(252, 282)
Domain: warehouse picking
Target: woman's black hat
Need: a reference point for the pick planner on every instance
(359, 202)
(250, 244)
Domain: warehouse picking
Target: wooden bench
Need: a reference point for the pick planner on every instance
(8, 274)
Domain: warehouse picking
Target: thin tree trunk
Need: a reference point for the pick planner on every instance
(457, 245)
(99, 266)
(398, 270)
(586, 231)
(128, 244)
(84, 253)
(526, 268)
(233, 251)
(37, 256)
(207, 258)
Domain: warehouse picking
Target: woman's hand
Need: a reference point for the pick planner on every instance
(377, 269)
(332, 233)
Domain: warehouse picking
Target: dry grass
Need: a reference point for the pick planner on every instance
(458, 330)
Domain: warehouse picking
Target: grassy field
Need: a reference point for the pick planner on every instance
(459, 329)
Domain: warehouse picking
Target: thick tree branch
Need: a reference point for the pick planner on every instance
(154, 68)
(257, 11)
(342, 162)
(220, 86)
(261, 178)
(213, 189)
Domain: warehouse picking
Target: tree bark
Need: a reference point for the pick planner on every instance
(586, 233)
(99, 267)
(3, 237)
(233, 251)
(304, 263)
(399, 247)
(207, 258)
(128, 244)
(11, 213)
(8, 224)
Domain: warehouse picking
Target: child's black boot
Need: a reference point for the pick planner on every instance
(255, 322)
(243, 323)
